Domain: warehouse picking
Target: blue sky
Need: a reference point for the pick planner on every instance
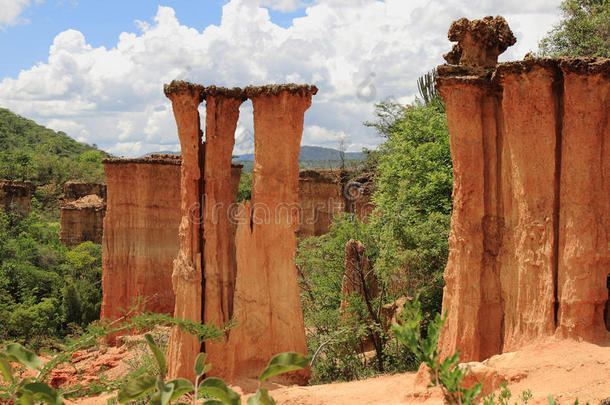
(95, 69)
(101, 21)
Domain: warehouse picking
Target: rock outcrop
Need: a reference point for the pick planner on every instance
(16, 196)
(265, 300)
(140, 233)
(530, 229)
(359, 277)
(320, 199)
(82, 220)
(82, 213)
(358, 195)
(74, 190)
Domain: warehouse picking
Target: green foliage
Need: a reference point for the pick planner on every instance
(27, 390)
(244, 191)
(583, 31)
(46, 289)
(163, 393)
(414, 186)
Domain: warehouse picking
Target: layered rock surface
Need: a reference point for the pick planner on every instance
(140, 234)
(16, 195)
(320, 199)
(530, 228)
(82, 213)
(248, 273)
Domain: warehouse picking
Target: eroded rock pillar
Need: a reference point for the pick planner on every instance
(220, 266)
(183, 348)
(584, 217)
(529, 172)
(267, 304)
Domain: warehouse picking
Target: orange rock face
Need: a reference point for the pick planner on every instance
(320, 199)
(82, 220)
(16, 195)
(249, 273)
(73, 190)
(529, 237)
(357, 274)
(267, 302)
(140, 234)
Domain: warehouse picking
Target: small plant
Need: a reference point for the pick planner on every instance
(445, 373)
(163, 393)
(26, 389)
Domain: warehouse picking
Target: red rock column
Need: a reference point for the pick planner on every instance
(462, 292)
(528, 259)
(220, 266)
(267, 303)
(183, 348)
(584, 218)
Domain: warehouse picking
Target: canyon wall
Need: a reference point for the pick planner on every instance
(320, 199)
(248, 273)
(82, 213)
(530, 230)
(16, 195)
(140, 233)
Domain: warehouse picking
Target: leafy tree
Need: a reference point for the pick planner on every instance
(583, 31)
(414, 186)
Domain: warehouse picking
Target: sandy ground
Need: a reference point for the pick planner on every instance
(565, 369)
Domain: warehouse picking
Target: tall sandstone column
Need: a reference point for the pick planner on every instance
(220, 266)
(187, 276)
(584, 218)
(529, 255)
(267, 303)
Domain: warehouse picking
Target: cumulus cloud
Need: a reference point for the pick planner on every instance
(10, 11)
(357, 52)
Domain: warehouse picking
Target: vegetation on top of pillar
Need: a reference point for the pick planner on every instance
(180, 86)
(234, 92)
(275, 89)
(145, 160)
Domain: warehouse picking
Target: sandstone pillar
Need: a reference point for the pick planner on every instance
(584, 217)
(267, 304)
(187, 276)
(220, 266)
(462, 292)
(529, 173)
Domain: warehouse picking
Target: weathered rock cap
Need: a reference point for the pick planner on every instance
(145, 160)
(179, 86)
(479, 42)
(275, 89)
(89, 201)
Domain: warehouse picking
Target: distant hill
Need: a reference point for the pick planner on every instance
(313, 153)
(29, 151)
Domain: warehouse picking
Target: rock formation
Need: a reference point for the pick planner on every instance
(140, 233)
(530, 229)
(358, 195)
(16, 196)
(265, 301)
(82, 220)
(358, 274)
(320, 199)
(73, 190)
(82, 213)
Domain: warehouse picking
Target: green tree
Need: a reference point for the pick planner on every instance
(414, 186)
(583, 31)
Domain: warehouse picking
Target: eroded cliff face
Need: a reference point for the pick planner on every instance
(247, 273)
(82, 213)
(82, 220)
(74, 190)
(16, 195)
(140, 238)
(530, 229)
(320, 199)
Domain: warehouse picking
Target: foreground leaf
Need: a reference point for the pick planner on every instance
(44, 393)
(217, 388)
(261, 398)
(5, 369)
(158, 354)
(200, 367)
(284, 363)
(136, 388)
(18, 353)
(181, 386)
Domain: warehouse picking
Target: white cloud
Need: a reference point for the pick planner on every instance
(11, 10)
(357, 52)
